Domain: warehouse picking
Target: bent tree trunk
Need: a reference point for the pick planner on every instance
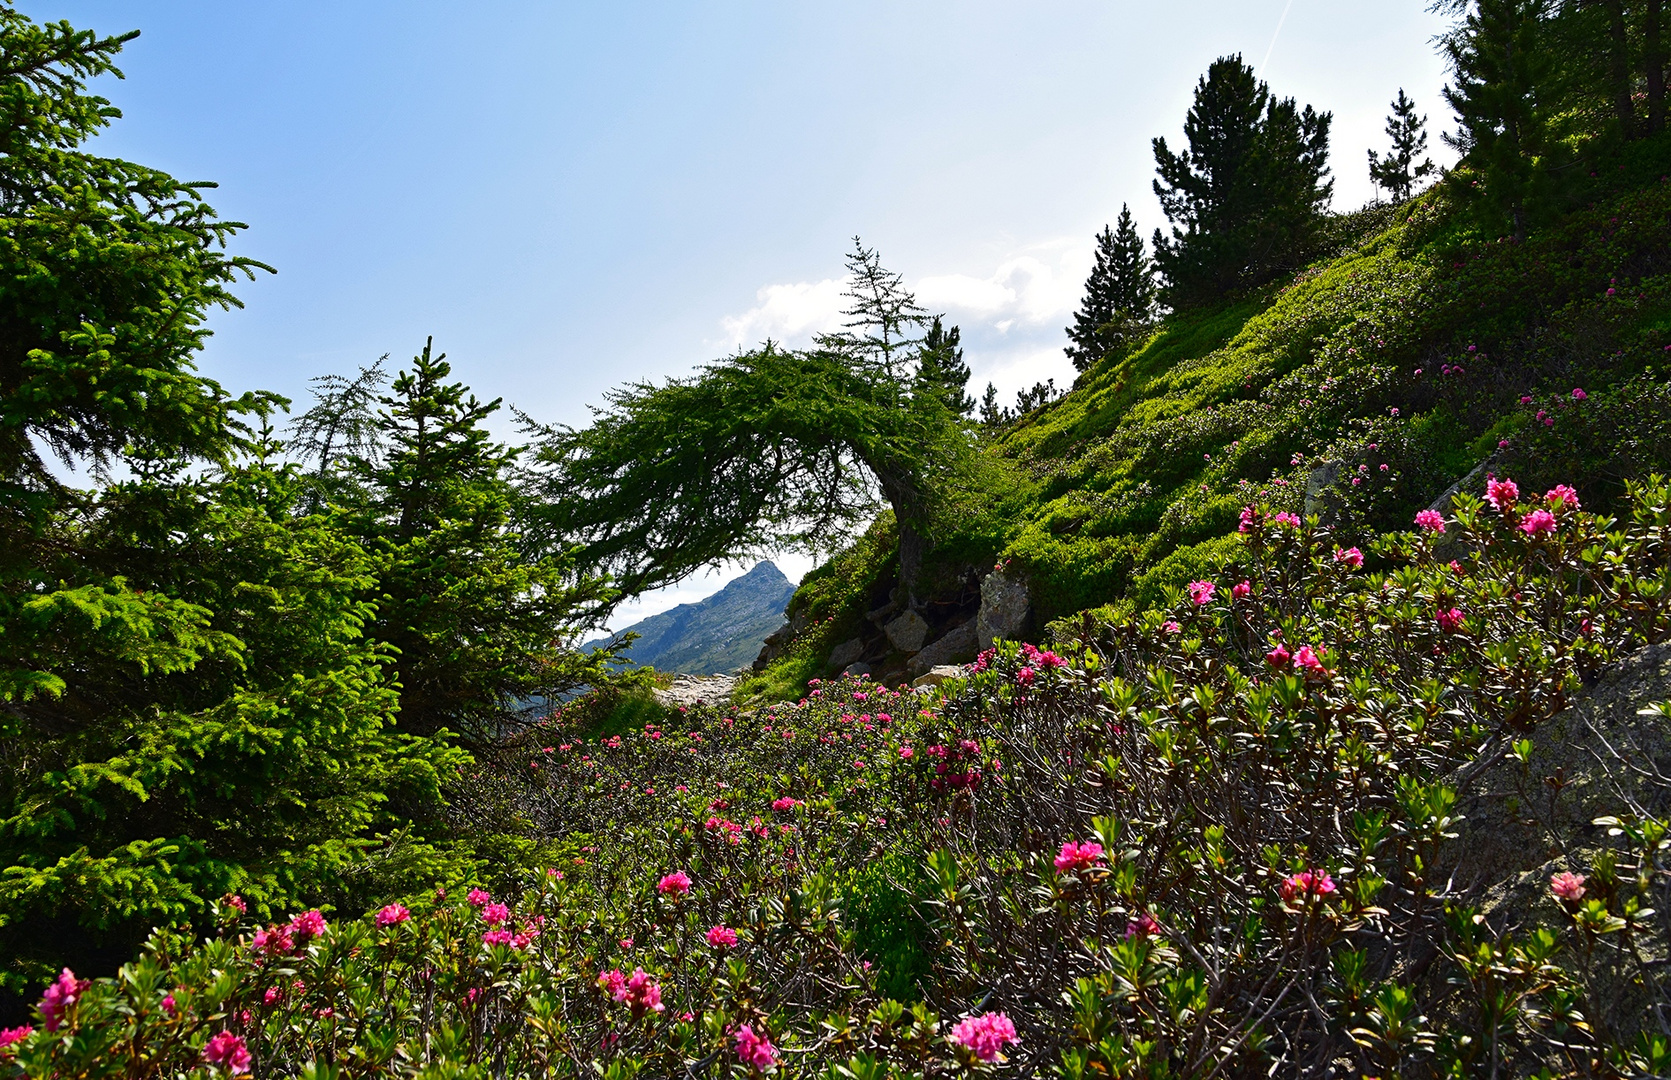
(911, 518)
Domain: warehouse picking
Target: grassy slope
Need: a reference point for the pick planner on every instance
(1405, 357)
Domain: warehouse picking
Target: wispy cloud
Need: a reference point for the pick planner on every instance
(788, 313)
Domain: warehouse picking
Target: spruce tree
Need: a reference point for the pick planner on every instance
(993, 414)
(1501, 77)
(1245, 198)
(1119, 296)
(941, 370)
(1398, 173)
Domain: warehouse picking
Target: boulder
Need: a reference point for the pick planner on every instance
(908, 632)
(860, 668)
(689, 690)
(958, 643)
(1005, 607)
(934, 676)
(846, 653)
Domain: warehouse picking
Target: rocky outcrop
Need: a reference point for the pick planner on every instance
(936, 675)
(1006, 607)
(908, 632)
(958, 643)
(690, 690)
(846, 653)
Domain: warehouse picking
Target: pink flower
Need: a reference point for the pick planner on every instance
(1578, 393)
(642, 994)
(309, 924)
(907, 753)
(1306, 883)
(236, 903)
(496, 914)
(1538, 521)
(675, 884)
(1142, 925)
(392, 914)
(614, 984)
(1431, 520)
(479, 898)
(986, 1035)
(1241, 590)
(498, 937)
(722, 937)
(1562, 497)
(755, 1051)
(1310, 661)
(1286, 518)
(1025, 676)
(1076, 857)
(1450, 621)
(273, 994)
(1349, 557)
(1250, 519)
(169, 1005)
(11, 1036)
(274, 941)
(1501, 494)
(1201, 592)
(228, 1051)
(1279, 657)
(1567, 886)
(785, 803)
(1170, 626)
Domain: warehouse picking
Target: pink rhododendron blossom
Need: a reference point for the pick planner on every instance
(1563, 497)
(785, 803)
(1567, 886)
(479, 898)
(1309, 660)
(11, 1036)
(271, 995)
(1249, 520)
(1201, 592)
(721, 937)
(1025, 676)
(907, 753)
(236, 903)
(1075, 856)
(1279, 657)
(1349, 557)
(1578, 393)
(308, 924)
(169, 1005)
(228, 1051)
(274, 941)
(1170, 626)
(1241, 590)
(1285, 518)
(1142, 925)
(675, 884)
(642, 994)
(498, 937)
(392, 914)
(986, 1035)
(496, 914)
(614, 984)
(1538, 521)
(1306, 883)
(1450, 621)
(755, 1051)
(1501, 494)
(1431, 520)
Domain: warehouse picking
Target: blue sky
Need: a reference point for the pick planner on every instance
(569, 196)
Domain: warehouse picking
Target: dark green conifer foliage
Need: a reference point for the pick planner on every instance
(941, 368)
(992, 414)
(1246, 197)
(1400, 171)
(1119, 297)
(1501, 83)
(340, 427)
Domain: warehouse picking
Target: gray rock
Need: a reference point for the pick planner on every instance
(860, 668)
(908, 632)
(1317, 498)
(934, 676)
(846, 653)
(689, 690)
(1005, 607)
(958, 643)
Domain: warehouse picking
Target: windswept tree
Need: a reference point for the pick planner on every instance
(1247, 195)
(763, 450)
(1400, 171)
(1119, 300)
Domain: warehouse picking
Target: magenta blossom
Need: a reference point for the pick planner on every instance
(1538, 521)
(1349, 557)
(63, 993)
(1201, 592)
(755, 1051)
(1450, 621)
(785, 803)
(1567, 886)
(1077, 857)
(1285, 518)
(498, 937)
(12, 1036)
(722, 937)
(1578, 393)
(228, 1051)
(274, 941)
(392, 914)
(309, 924)
(1142, 925)
(479, 898)
(1241, 590)
(675, 884)
(496, 914)
(986, 1035)
(1279, 657)
(1431, 520)
(1306, 883)
(1562, 497)
(1309, 660)
(1501, 494)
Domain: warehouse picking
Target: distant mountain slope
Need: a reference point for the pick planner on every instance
(719, 634)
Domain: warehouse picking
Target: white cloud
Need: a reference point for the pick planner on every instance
(788, 312)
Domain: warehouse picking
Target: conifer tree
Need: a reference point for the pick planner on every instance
(941, 370)
(993, 414)
(1244, 199)
(1119, 296)
(1398, 173)
(1501, 76)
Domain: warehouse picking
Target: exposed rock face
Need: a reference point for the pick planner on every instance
(936, 675)
(908, 632)
(1005, 608)
(958, 643)
(847, 652)
(689, 690)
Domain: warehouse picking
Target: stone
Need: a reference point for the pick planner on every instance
(1005, 607)
(846, 653)
(860, 668)
(934, 676)
(908, 632)
(690, 690)
(958, 643)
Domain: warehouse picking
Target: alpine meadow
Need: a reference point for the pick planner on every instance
(1290, 696)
